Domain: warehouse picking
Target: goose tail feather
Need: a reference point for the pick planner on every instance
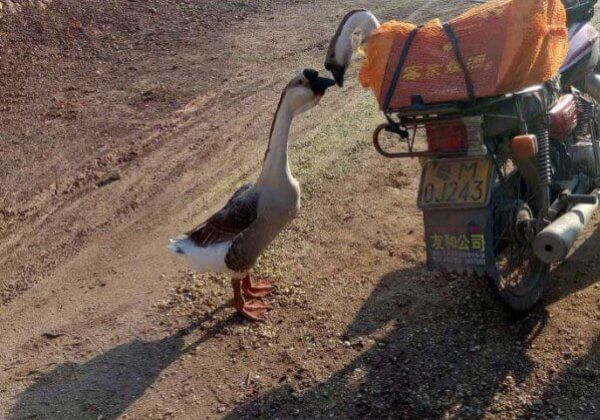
(178, 246)
(202, 259)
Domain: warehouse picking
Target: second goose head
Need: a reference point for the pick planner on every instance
(305, 90)
(354, 30)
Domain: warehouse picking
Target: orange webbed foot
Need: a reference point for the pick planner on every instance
(256, 289)
(253, 309)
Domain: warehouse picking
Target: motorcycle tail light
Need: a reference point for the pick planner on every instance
(563, 118)
(447, 136)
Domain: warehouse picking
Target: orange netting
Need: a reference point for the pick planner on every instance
(506, 46)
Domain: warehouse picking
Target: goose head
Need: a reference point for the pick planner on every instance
(354, 30)
(305, 91)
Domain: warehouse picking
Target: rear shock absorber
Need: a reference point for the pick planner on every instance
(584, 109)
(587, 128)
(544, 167)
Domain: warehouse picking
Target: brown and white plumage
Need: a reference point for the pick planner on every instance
(232, 240)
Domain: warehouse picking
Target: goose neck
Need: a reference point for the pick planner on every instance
(276, 165)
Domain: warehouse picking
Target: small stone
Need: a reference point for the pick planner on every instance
(51, 336)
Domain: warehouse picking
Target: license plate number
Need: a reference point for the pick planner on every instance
(455, 183)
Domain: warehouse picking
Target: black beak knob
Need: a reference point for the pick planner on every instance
(318, 84)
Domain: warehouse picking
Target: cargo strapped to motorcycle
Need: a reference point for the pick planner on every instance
(417, 100)
(461, 61)
(394, 126)
(401, 61)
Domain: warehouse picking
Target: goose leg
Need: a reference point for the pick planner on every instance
(256, 289)
(252, 309)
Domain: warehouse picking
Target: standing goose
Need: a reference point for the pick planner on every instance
(353, 32)
(232, 240)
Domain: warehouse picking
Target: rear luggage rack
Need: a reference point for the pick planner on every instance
(531, 102)
(471, 135)
(410, 142)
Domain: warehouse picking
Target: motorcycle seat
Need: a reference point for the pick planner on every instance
(582, 39)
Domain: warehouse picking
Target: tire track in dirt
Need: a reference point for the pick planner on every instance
(77, 216)
(45, 207)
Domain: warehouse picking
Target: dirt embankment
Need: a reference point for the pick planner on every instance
(123, 123)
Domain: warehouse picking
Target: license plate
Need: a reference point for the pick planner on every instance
(455, 183)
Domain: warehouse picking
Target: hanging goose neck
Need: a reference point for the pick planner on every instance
(275, 164)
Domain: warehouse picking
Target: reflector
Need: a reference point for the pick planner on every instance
(447, 136)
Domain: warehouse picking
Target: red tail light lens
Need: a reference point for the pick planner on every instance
(447, 136)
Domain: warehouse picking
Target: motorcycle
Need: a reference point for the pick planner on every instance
(509, 183)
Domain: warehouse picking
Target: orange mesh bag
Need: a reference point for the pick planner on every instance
(504, 46)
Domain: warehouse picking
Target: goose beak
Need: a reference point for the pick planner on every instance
(320, 85)
(338, 72)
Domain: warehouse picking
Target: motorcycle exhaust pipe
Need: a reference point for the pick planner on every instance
(553, 243)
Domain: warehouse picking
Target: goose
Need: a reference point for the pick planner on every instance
(231, 240)
(352, 34)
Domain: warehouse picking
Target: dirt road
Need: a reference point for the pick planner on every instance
(124, 123)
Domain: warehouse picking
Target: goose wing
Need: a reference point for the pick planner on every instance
(239, 213)
(247, 247)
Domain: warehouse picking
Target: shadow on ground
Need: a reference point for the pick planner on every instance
(450, 349)
(450, 355)
(109, 383)
(576, 391)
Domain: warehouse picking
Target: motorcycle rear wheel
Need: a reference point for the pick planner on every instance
(520, 286)
(520, 276)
